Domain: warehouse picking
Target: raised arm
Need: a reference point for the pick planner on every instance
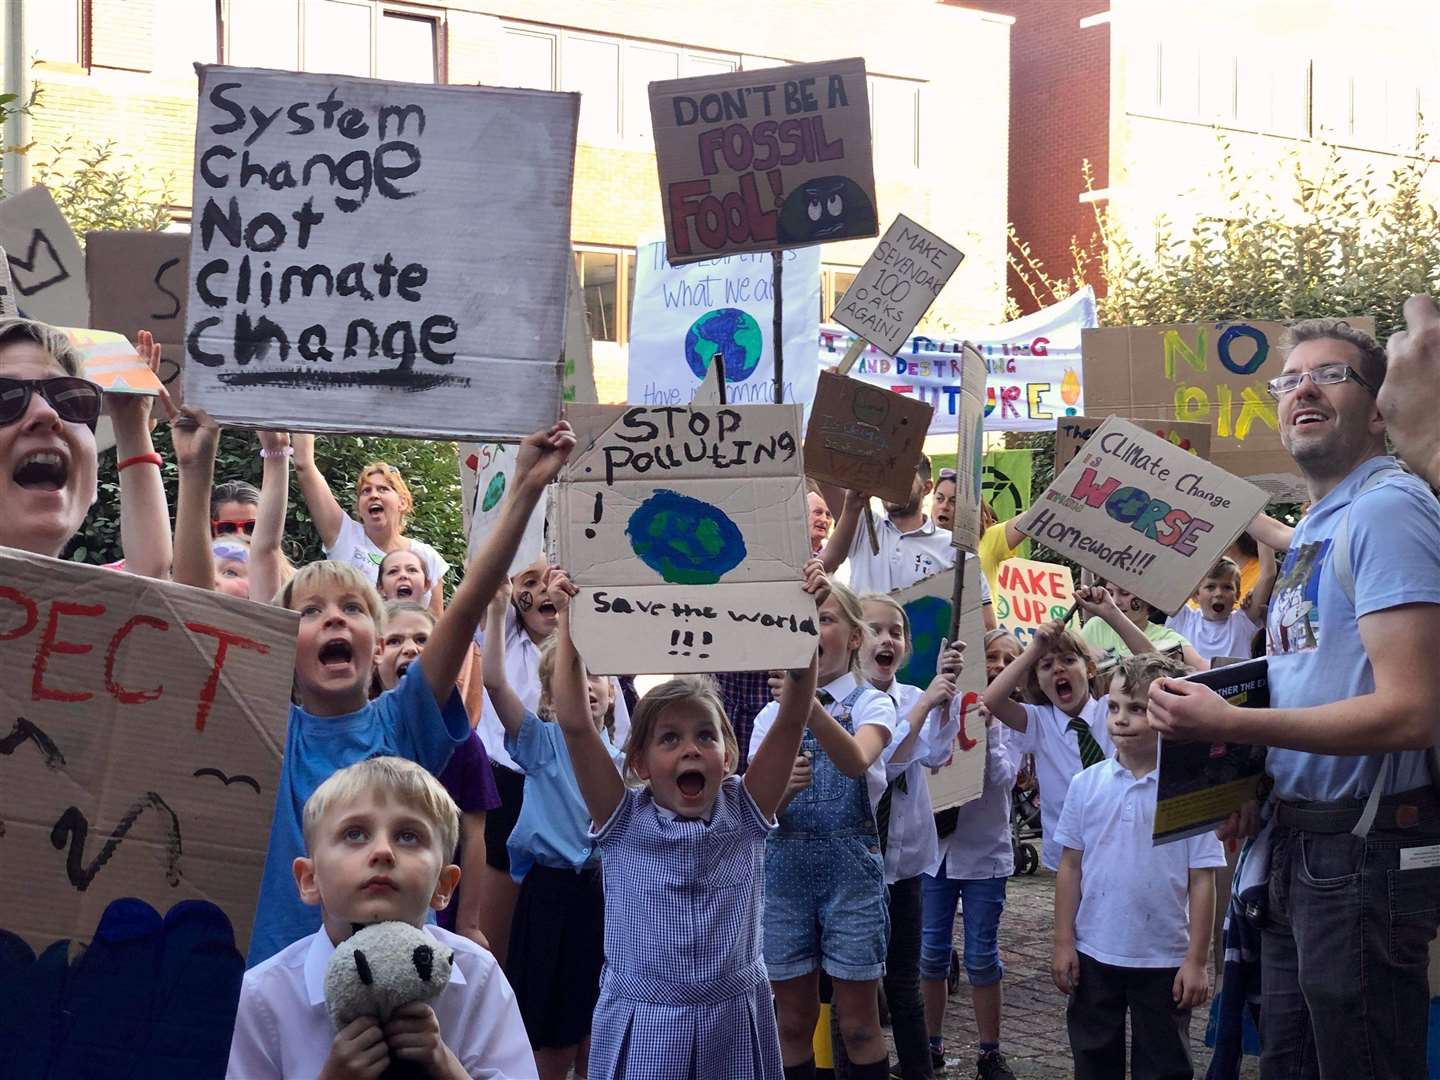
(144, 511)
(1265, 529)
(266, 559)
(508, 705)
(837, 548)
(997, 695)
(194, 436)
(852, 754)
(769, 772)
(928, 706)
(595, 772)
(1097, 602)
(325, 512)
(1259, 598)
(538, 462)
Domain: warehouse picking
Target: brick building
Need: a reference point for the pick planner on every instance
(939, 79)
(1145, 92)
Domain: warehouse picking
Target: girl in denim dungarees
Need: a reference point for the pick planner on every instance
(824, 875)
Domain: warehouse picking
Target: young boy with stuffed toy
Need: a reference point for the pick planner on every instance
(378, 841)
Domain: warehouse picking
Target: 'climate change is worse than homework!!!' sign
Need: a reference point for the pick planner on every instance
(758, 160)
(1143, 513)
(684, 530)
(376, 256)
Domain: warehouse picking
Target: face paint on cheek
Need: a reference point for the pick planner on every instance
(524, 601)
(1136, 603)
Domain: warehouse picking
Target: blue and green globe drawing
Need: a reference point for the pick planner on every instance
(729, 332)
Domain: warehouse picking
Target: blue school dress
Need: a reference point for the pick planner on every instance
(684, 992)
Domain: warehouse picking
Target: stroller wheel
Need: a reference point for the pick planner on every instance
(1029, 861)
(952, 980)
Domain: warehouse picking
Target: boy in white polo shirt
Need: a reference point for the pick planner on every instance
(1132, 921)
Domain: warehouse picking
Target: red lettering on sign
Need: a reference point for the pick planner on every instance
(50, 643)
(120, 694)
(224, 640)
(32, 613)
(970, 698)
(1093, 493)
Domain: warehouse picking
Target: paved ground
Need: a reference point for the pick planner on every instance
(1033, 1029)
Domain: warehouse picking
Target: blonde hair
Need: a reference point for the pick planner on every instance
(1225, 567)
(392, 474)
(546, 673)
(51, 339)
(407, 607)
(330, 574)
(698, 690)
(853, 614)
(1138, 671)
(890, 602)
(1067, 642)
(394, 777)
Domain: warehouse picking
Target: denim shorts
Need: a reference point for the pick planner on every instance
(825, 907)
(982, 902)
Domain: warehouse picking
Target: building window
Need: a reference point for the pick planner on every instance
(604, 273)
(895, 120)
(263, 33)
(834, 280)
(409, 49)
(53, 31)
(612, 74)
(335, 37)
(186, 35)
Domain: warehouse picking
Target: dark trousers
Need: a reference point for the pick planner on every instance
(902, 988)
(1160, 1045)
(1344, 990)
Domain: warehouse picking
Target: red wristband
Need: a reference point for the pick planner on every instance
(151, 458)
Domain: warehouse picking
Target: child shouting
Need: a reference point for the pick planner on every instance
(1132, 920)
(378, 838)
(1219, 628)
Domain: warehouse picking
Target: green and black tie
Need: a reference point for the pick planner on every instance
(1090, 752)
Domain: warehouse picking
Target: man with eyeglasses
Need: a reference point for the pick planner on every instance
(1354, 818)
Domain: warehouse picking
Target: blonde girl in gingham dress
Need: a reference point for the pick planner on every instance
(684, 993)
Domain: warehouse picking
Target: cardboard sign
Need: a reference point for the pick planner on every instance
(1032, 367)
(8, 310)
(685, 316)
(577, 361)
(1141, 512)
(141, 728)
(928, 605)
(759, 160)
(1073, 432)
(1209, 373)
(393, 260)
(47, 267)
(897, 284)
(1028, 594)
(139, 281)
(112, 361)
(685, 530)
(969, 482)
(864, 438)
(1200, 784)
(485, 473)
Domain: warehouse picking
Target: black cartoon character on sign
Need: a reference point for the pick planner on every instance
(826, 208)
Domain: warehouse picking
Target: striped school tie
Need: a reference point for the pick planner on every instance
(1090, 752)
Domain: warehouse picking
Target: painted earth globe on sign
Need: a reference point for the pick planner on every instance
(730, 332)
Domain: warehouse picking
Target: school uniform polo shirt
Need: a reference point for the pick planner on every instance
(1057, 759)
(904, 558)
(1134, 897)
(912, 846)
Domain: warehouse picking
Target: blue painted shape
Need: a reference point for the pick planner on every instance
(727, 332)
(1227, 339)
(929, 625)
(684, 540)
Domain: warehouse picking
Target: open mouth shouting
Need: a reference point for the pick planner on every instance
(336, 656)
(375, 509)
(1219, 607)
(42, 470)
(402, 667)
(691, 785)
(884, 658)
(404, 591)
(1064, 688)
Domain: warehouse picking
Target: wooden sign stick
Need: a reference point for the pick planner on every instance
(957, 595)
(719, 365)
(851, 355)
(777, 260)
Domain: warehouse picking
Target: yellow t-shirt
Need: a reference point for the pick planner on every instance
(994, 551)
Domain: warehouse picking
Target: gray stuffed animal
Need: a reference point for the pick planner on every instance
(382, 967)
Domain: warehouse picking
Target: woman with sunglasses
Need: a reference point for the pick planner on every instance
(48, 467)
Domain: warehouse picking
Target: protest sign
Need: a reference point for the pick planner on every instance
(684, 316)
(897, 284)
(1143, 513)
(486, 470)
(969, 484)
(8, 310)
(1073, 432)
(1006, 475)
(864, 438)
(139, 281)
(1209, 373)
(577, 361)
(112, 361)
(141, 728)
(1028, 594)
(1032, 365)
(685, 530)
(759, 160)
(47, 267)
(388, 258)
(1200, 784)
(927, 604)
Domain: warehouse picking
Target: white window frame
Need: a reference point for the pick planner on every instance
(378, 11)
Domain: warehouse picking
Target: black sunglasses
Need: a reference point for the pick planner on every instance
(75, 400)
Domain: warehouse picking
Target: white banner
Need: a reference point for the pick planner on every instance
(1033, 367)
(685, 315)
